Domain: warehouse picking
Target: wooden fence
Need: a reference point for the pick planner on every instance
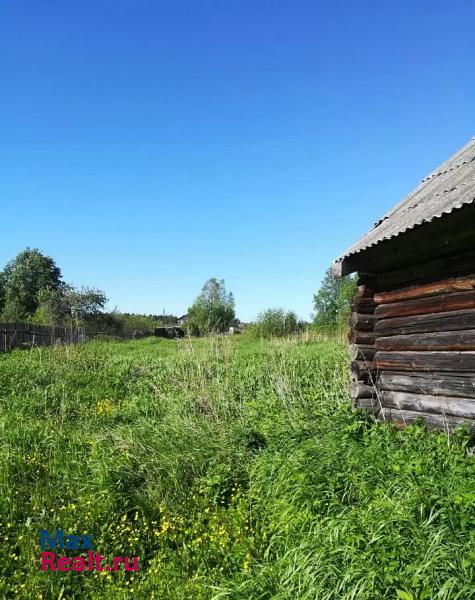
(22, 335)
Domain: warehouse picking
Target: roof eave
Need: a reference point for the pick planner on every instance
(341, 267)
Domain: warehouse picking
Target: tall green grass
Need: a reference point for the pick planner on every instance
(233, 468)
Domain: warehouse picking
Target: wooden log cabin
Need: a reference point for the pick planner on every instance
(412, 327)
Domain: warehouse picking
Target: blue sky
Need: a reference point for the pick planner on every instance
(149, 145)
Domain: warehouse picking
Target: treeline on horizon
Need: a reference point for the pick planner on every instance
(32, 290)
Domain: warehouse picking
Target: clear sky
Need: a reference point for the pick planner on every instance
(149, 145)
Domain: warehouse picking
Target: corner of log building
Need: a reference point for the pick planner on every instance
(412, 351)
(412, 324)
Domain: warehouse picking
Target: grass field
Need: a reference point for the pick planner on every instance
(233, 469)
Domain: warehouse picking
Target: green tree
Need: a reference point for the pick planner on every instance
(67, 305)
(85, 303)
(276, 322)
(332, 302)
(213, 310)
(53, 308)
(3, 291)
(21, 281)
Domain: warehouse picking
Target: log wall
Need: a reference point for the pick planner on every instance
(413, 347)
(363, 350)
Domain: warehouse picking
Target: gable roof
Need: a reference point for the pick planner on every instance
(447, 188)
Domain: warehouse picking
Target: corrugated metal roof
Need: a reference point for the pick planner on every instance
(450, 186)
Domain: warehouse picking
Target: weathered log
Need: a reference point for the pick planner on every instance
(366, 306)
(363, 372)
(443, 340)
(429, 289)
(370, 404)
(426, 361)
(460, 385)
(362, 322)
(459, 264)
(444, 321)
(406, 417)
(441, 405)
(365, 338)
(423, 306)
(363, 368)
(363, 291)
(359, 390)
(360, 352)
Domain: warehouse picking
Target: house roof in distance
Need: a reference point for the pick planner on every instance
(447, 188)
